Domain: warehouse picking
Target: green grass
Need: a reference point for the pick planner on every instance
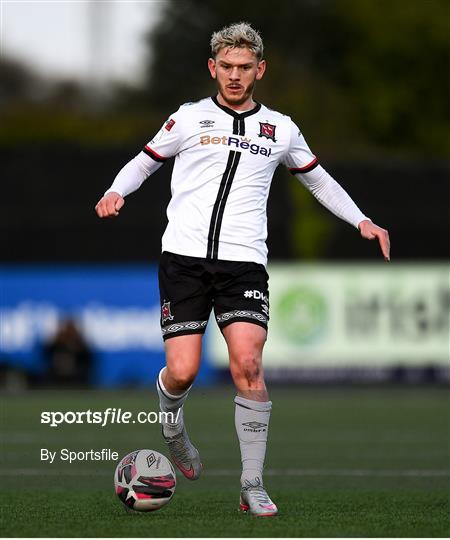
(341, 462)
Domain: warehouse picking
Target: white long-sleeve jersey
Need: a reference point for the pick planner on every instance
(224, 164)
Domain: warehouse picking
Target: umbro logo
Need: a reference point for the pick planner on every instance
(151, 459)
(206, 123)
(254, 427)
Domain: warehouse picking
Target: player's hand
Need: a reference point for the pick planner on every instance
(370, 231)
(109, 205)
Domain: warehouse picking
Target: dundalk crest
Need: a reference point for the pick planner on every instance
(267, 130)
(166, 314)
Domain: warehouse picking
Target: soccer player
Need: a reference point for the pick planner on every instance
(214, 254)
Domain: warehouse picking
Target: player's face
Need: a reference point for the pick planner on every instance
(236, 70)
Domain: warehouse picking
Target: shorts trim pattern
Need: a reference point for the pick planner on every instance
(241, 314)
(183, 327)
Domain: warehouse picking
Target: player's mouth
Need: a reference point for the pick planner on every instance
(235, 87)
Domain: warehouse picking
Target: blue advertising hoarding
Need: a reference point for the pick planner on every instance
(116, 309)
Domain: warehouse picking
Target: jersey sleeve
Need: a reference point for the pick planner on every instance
(133, 174)
(332, 195)
(299, 158)
(166, 143)
(305, 166)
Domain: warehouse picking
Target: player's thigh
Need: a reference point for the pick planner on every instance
(245, 342)
(183, 355)
(185, 295)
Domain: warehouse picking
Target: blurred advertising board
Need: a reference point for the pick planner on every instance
(116, 309)
(355, 315)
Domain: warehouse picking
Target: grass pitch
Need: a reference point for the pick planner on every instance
(341, 462)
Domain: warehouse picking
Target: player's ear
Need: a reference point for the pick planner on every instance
(261, 70)
(212, 67)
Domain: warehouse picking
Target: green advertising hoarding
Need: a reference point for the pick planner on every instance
(354, 316)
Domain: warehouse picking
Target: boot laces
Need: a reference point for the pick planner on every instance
(257, 490)
(180, 447)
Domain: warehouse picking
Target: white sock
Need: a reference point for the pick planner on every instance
(171, 403)
(252, 426)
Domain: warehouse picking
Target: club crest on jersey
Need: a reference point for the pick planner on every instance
(166, 315)
(267, 130)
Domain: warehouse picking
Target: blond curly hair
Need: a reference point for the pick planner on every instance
(239, 34)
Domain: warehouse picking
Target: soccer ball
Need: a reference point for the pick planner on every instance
(145, 480)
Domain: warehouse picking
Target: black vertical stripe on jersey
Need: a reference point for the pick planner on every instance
(219, 205)
(238, 126)
(235, 125)
(237, 157)
(227, 179)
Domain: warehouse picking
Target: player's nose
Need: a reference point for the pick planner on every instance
(234, 74)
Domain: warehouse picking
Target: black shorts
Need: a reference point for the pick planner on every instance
(191, 286)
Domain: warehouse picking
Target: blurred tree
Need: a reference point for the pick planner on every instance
(393, 61)
(43, 109)
(17, 82)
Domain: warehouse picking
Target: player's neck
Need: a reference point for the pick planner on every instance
(247, 105)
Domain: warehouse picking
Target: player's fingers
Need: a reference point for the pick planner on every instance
(119, 203)
(387, 255)
(385, 244)
(111, 209)
(105, 210)
(99, 209)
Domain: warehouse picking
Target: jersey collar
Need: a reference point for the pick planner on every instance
(236, 114)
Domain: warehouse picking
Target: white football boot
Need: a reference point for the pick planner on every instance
(184, 454)
(254, 499)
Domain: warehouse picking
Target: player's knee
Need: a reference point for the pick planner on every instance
(181, 376)
(248, 367)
